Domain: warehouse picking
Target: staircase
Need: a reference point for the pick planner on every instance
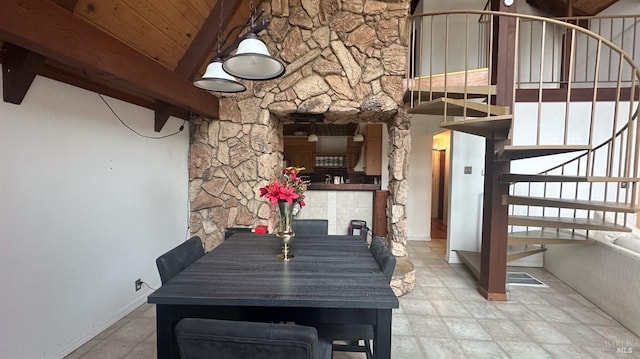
(577, 114)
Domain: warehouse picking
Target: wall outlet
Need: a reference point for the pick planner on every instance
(138, 284)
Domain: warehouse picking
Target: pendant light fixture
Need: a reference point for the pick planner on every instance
(313, 137)
(215, 79)
(252, 60)
(357, 137)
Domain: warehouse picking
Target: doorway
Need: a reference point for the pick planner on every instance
(440, 185)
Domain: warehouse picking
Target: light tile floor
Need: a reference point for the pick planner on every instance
(445, 317)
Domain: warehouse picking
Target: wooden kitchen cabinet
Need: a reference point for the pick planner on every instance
(353, 153)
(300, 153)
(373, 150)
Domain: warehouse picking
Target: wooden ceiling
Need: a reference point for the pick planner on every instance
(561, 8)
(145, 52)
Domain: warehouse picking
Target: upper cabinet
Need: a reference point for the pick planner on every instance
(300, 153)
(373, 150)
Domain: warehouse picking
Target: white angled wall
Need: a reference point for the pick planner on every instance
(85, 208)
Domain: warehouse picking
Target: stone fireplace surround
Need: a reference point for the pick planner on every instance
(345, 60)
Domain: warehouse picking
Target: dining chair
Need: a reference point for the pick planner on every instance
(179, 258)
(354, 333)
(213, 338)
(310, 226)
(377, 246)
(233, 230)
(358, 228)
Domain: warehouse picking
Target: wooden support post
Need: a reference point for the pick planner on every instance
(493, 261)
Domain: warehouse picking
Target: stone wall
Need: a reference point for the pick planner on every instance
(345, 60)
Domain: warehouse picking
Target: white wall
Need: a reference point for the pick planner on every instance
(420, 163)
(465, 194)
(85, 208)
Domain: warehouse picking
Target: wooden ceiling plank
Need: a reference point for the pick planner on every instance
(177, 33)
(46, 28)
(201, 7)
(201, 46)
(184, 7)
(20, 66)
(117, 19)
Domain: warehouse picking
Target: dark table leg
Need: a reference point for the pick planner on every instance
(166, 345)
(382, 335)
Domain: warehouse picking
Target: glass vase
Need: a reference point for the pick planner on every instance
(285, 233)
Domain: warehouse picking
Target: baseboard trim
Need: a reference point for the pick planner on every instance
(70, 347)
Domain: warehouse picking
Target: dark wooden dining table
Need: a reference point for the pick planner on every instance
(332, 279)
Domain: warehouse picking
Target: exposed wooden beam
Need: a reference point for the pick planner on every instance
(19, 68)
(200, 49)
(197, 53)
(73, 77)
(67, 4)
(48, 29)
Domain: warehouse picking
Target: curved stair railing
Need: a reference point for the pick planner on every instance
(618, 197)
(573, 91)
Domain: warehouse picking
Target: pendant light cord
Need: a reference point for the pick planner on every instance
(136, 132)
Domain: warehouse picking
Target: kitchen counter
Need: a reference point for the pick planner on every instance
(321, 186)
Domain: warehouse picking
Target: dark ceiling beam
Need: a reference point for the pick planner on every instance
(201, 47)
(556, 8)
(19, 69)
(48, 29)
(198, 52)
(20, 66)
(73, 77)
(67, 4)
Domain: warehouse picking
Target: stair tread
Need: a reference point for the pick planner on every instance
(566, 222)
(547, 233)
(471, 259)
(510, 153)
(546, 236)
(457, 92)
(573, 204)
(469, 77)
(511, 256)
(455, 107)
(516, 177)
(495, 127)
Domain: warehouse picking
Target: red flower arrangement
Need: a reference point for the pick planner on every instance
(288, 187)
